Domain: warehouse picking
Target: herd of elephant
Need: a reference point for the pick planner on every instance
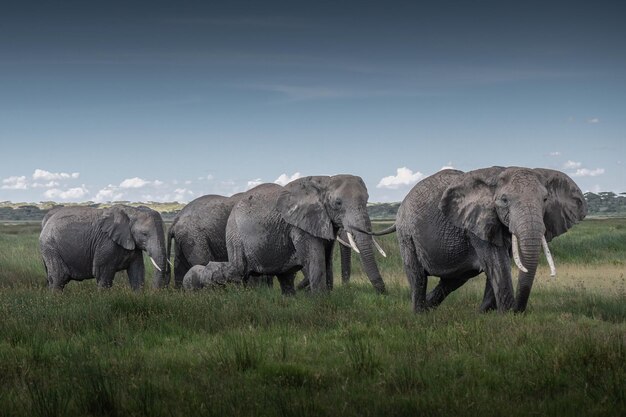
(452, 225)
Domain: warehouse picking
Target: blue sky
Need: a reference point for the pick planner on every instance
(172, 100)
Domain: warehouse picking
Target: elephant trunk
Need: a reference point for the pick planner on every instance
(158, 255)
(365, 246)
(530, 235)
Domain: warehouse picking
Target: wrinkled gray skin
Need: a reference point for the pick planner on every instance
(199, 233)
(455, 225)
(276, 230)
(77, 243)
(345, 253)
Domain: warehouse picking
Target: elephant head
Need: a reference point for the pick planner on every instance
(139, 228)
(522, 207)
(323, 205)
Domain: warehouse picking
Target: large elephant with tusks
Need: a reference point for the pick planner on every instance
(455, 225)
(276, 230)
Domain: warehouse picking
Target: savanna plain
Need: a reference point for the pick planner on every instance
(251, 351)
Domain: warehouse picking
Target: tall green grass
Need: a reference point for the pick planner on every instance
(241, 351)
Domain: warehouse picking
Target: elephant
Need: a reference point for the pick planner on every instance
(277, 230)
(199, 233)
(77, 243)
(455, 225)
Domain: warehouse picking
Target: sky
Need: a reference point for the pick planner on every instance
(162, 101)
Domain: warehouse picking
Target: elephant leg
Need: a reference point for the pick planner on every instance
(415, 273)
(328, 254)
(305, 284)
(489, 298)
(136, 273)
(346, 263)
(286, 282)
(57, 273)
(181, 266)
(314, 268)
(495, 262)
(443, 289)
(104, 277)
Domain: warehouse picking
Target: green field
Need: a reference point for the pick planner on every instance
(243, 351)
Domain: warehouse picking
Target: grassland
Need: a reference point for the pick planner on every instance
(253, 352)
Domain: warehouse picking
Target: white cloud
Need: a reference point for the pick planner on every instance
(253, 183)
(49, 184)
(584, 172)
(108, 193)
(208, 178)
(403, 177)
(555, 153)
(157, 183)
(593, 120)
(135, 182)
(70, 194)
(15, 183)
(572, 165)
(448, 166)
(285, 179)
(182, 194)
(42, 174)
(187, 182)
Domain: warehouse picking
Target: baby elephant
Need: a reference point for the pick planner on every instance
(83, 242)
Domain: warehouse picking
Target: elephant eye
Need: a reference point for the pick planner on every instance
(338, 202)
(545, 199)
(504, 199)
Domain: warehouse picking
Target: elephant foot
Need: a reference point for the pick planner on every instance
(486, 308)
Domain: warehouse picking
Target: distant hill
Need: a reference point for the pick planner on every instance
(600, 204)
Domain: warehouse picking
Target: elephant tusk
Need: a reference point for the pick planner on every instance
(546, 250)
(516, 258)
(353, 243)
(155, 264)
(171, 263)
(382, 252)
(343, 242)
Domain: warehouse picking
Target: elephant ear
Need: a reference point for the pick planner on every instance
(566, 204)
(116, 224)
(301, 205)
(468, 203)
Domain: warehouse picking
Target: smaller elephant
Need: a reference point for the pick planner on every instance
(77, 243)
(455, 225)
(281, 230)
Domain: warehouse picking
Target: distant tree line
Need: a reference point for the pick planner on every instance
(36, 212)
(599, 204)
(607, 203)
